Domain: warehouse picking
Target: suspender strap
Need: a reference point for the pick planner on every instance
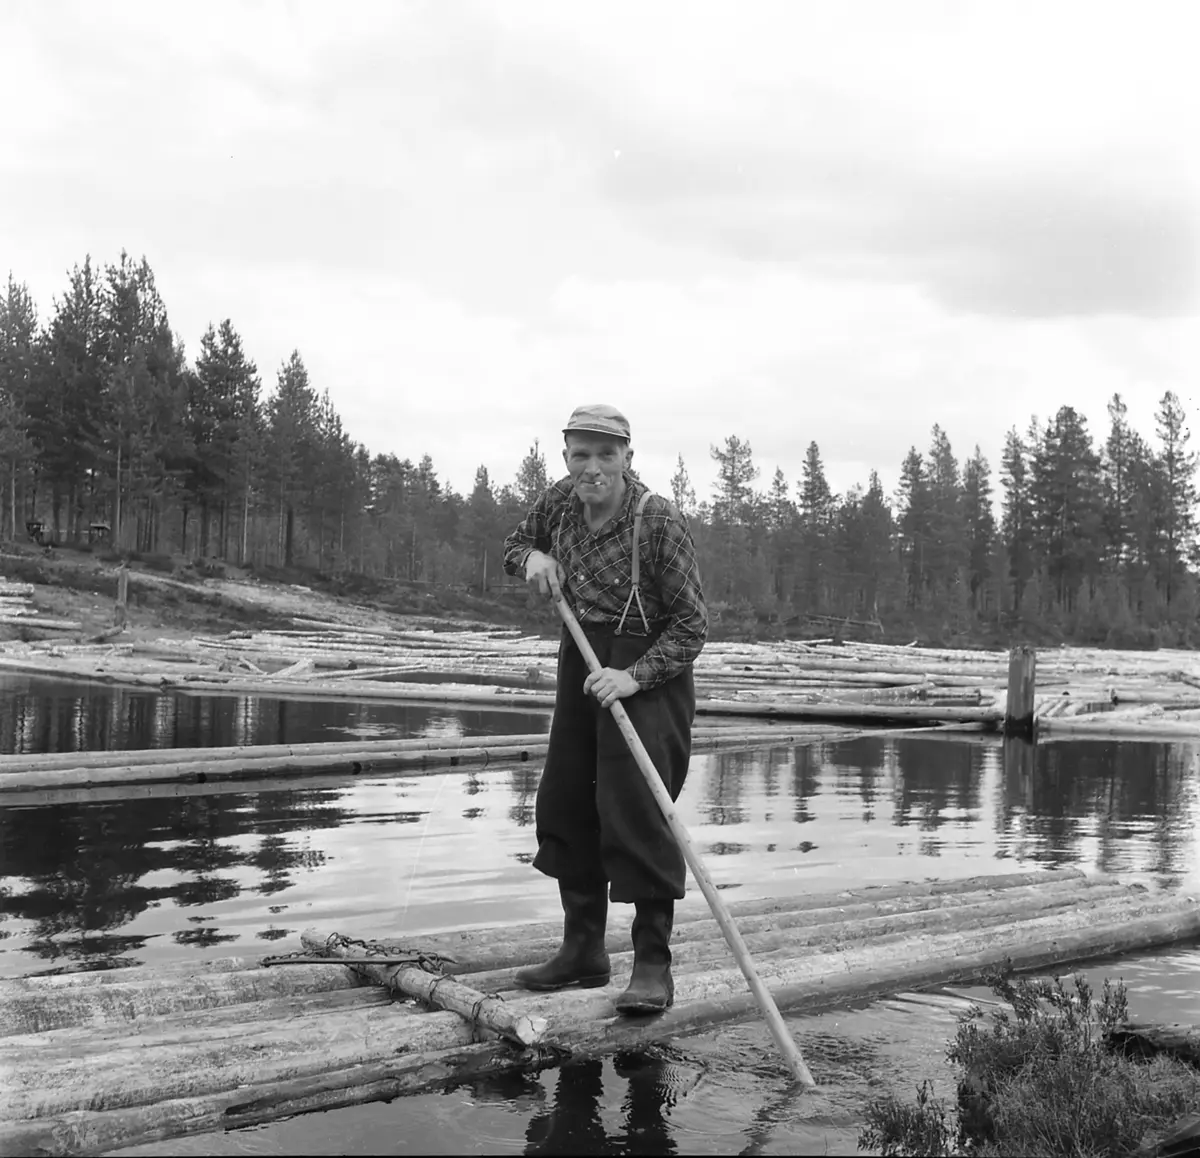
(637, 534)
(635, 590)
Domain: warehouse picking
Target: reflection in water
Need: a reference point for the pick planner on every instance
(52, 716)
(168, 876)
(1094, 802)
(573, 1123)
(87, 870)
(149, 879)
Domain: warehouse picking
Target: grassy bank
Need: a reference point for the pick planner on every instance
(80, 584)
(1043, 1079)
(175, 596)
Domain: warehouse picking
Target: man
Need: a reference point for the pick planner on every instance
(600, 831)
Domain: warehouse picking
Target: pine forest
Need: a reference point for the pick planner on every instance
(108, 432)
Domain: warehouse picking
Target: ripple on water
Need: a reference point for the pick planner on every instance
(182, 876)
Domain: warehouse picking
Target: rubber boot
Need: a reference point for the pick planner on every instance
(582, 960)
(651, 988)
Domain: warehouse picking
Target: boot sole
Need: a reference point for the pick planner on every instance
(596, 981)
(642, 1009)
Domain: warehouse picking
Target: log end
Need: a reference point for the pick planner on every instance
(530, 1030)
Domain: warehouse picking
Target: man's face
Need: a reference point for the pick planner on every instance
(595, 463)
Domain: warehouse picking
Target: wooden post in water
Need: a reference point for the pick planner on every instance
(1018, 712)
(119, 611)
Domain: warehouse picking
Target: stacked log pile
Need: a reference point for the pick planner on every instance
(17, 609)
(1080, 690)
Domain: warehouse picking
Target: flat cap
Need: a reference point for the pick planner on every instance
(598, 419)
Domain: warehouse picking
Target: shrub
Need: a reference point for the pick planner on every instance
(1040, 1080)
(894, 1127)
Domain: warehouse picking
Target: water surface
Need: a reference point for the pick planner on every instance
(181, 875)
(41, 715)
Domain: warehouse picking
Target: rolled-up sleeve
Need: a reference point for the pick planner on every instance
(678, 581)
(531, 534)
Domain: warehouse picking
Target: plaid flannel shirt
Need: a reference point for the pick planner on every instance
(599, 574)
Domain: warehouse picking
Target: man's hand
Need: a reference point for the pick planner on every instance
(610, 684)
(544, 574)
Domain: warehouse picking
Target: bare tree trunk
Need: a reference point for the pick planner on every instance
(245, 524)
(117, 532)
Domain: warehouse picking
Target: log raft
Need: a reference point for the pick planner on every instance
(870, 684)
(95, 1061)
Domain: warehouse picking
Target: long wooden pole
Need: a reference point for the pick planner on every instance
(783, 1039)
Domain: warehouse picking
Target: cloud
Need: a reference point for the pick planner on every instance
(838, 223)
(1058, 193)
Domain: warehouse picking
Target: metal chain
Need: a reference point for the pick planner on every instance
(430, 962)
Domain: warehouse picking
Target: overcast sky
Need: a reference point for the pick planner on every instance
(842, 221)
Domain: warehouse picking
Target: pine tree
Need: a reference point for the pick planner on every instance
(65, 413)
(481, 528)
(532, 478)
(816, 548)
(733, 568)
(1176, 468)
(1115, 469)
(1017, 525)
(682, 491)
(1066, 496)
(138, 426)
(21, 357)
(782, 518)
(915, 502)
(291, 437)
(979, 525)
(733, 494)
(224, 396)
(947, 555)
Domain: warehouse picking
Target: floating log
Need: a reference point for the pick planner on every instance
(1110, 724)
(393, 692)
(91, 1132)
(105, 1089)
(819, 931)
(42, 761)
(483, 1011)
(1172, 700)
(849, 713)
(131, 996)
(127, 997)
(368, 758)
(360, 762)
(1150, 1040)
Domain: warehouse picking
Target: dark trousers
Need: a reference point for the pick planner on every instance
(597, 819)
